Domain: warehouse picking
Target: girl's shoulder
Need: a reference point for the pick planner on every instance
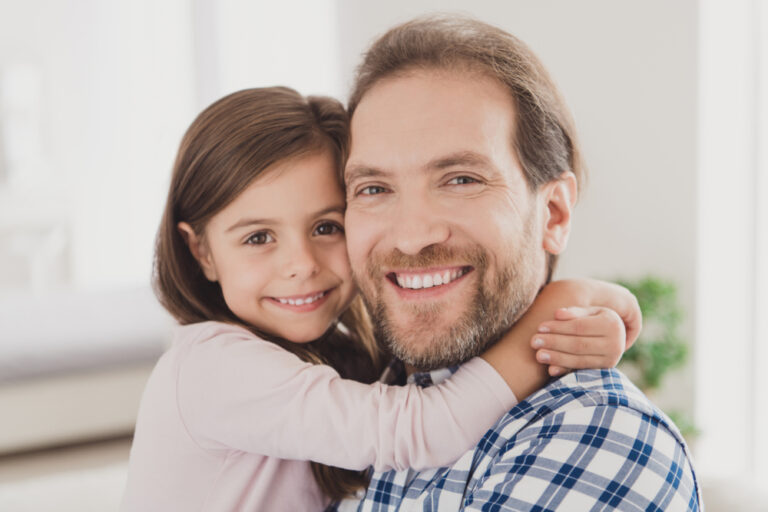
(208, 348)
(208, 332)
(218, 339)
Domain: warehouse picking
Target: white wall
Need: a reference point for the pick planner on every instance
(115, 94)
(291, 42)
(629, 73)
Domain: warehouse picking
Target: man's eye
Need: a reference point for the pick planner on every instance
(372, 190)
(328, 228)
(462, 180)
(260, 238)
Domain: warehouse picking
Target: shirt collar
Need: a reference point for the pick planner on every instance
(395, 374)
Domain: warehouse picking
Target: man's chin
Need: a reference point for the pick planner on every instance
(426, 347)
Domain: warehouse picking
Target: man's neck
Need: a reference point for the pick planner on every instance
(410, 370)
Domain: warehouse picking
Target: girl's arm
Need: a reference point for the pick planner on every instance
(238, 392)
(575, 323)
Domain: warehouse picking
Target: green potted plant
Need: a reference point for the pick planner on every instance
(659, 349)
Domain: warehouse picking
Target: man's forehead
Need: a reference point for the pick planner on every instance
(428, 120)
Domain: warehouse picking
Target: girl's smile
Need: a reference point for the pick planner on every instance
(302, 303)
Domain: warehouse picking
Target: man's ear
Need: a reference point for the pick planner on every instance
(560, 197)
(199, 250)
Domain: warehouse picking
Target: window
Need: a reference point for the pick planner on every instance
(732, 297)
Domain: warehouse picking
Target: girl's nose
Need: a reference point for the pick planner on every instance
(301, 262)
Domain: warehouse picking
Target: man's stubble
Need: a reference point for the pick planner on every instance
(497, 302)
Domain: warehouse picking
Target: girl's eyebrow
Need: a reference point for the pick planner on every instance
(252, 222)
(249, 222)
(339, 208)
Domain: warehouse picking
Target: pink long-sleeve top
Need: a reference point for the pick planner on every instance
(228, 421)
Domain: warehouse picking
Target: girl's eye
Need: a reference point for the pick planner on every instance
(462, 180)
(328, 228)
(372, 190)
(260, 238)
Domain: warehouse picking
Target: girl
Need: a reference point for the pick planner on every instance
(274, 359)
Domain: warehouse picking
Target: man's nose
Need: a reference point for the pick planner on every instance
(419, 223)
(300, 261)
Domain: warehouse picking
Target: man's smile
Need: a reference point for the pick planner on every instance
(427, 283)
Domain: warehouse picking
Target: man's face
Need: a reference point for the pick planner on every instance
(443, 233)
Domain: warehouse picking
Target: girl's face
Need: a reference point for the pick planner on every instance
(278, 250)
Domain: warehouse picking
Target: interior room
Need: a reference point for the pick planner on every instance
(669, 99)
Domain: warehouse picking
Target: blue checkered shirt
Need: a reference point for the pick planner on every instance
(588, 441)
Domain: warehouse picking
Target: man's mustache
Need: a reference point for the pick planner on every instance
(430, 256)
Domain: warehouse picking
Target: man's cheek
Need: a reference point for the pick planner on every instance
(355, 236)
(362, 241)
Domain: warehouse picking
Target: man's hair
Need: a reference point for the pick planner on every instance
(545, 138)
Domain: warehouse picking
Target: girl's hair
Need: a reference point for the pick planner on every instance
(229, 145)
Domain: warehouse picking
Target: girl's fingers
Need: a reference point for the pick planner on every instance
(562, 359)
(557, 371)
(633, 320)
(574, 345)
(585, 322)
(575, 312)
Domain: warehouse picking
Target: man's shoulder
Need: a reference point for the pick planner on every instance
(588, 440)
(590, 436)
(589, 388)
(582, 404)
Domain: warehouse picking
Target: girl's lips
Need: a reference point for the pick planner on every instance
(302, 303)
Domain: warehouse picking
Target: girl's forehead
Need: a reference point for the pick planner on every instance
(291, 189)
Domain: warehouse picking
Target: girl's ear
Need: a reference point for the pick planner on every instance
(199, 250)
(560, 196)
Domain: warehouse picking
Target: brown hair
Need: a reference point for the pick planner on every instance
(230, 144)
(545, 138)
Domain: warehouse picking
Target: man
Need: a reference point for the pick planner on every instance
(463, 172)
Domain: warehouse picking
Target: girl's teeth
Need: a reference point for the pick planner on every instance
(301, 302)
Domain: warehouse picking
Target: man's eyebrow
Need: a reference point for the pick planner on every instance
(337, 208)
(360, 171)
(461, 158)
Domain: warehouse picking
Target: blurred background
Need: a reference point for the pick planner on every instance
(671, 102)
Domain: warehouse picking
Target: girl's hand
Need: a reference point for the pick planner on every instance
(582, 337)
(601, 323)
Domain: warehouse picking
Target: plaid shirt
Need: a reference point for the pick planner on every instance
(588, 441)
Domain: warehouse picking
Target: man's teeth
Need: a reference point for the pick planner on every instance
(301, 302)
(418, 282)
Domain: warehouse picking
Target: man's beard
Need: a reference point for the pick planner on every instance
(494, 307)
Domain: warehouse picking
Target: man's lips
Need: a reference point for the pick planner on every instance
(302, 303)
(433, 279)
